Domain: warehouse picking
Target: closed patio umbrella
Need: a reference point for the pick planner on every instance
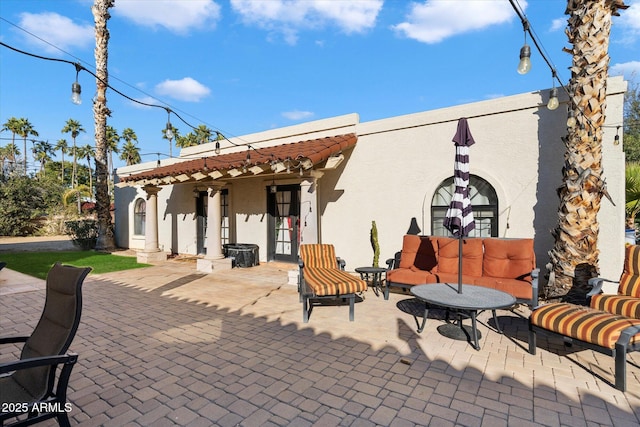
(459, 217)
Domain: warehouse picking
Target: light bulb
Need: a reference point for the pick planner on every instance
(524, 66)
(571, 120)
(168, 132)
(217, 150)
(75, 93)
(553, 99)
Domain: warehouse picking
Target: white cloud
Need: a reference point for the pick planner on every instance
(288, 17)
(629, 70)
(558, 24)
(297, 115)
(58, 31)
(630, 21)
(186, 89)
(177, 16)
(435, 20)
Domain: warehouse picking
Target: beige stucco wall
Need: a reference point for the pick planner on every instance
(393, 171)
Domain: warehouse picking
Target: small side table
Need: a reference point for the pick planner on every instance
(373, 275)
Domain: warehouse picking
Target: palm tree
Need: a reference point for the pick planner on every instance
(42, 151)
(13, 126)
(88, 152)
(74, 128)
(130, 153)
(112, 147)
(25, 128)
(63, 147)
(11, 152)
(574, 256)
(632, 193)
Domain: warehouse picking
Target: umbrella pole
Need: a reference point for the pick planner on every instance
(460, 264)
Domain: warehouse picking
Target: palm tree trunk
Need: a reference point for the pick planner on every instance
(105, 241)
(574, 256)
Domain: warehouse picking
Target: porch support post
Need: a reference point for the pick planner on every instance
(151, 251)
(214, 259)
(310, 228)
(214, 223)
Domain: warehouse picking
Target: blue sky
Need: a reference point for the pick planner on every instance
(244, 66)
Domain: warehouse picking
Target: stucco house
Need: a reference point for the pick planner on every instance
(327, 180)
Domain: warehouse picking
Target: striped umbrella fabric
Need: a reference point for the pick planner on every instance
(459, 217)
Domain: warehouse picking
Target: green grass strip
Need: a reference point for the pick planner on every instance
(37, 264)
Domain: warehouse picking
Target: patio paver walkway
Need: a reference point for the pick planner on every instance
(166, 345)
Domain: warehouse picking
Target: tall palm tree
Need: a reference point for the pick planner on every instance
(100, 11)
(12, 125)
(74, 128)
(130, 153)
(87, 152)
(129, 135)
(574, 256)
(25, 129)
(11, 152)
(113, 139)
(63, 147)
(42, 151)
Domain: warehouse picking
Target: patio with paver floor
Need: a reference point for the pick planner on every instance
(166, 345)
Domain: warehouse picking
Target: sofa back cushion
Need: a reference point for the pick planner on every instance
(418, 253)
(508, 258)
(448, 249)
(630, 278)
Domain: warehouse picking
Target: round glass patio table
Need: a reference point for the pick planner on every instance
(468, 303)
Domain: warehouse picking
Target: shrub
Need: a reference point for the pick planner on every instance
(83, 232)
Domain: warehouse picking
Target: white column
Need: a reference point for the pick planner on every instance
(151, 251)
(151, 219)
(309, 208)
(214, 223)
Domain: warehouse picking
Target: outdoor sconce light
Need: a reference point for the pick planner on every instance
(75, 88)
(524, 66)
(616, 139)
(273, 188)
(553, 99)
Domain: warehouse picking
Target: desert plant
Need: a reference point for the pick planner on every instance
(375, 245)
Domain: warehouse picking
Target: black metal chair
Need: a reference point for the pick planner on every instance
(29, 392)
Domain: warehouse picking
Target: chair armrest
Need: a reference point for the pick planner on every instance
(393, 262)
(17, 365)
(300, 263)
(12, 340)
(596, 284)
(341, 263)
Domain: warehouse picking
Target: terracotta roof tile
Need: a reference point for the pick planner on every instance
(316, 150)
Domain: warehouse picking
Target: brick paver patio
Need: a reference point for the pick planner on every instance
(166, 345)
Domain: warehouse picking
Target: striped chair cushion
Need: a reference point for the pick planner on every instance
(332, 281)
(617, 304)
(318, 256)
(583, 323)
(630, 279)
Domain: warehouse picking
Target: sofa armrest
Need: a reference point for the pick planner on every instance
(393, 262)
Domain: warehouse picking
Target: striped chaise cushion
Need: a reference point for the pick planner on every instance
(322, 275)
(331, 281)
(627, 302)
(583, 323)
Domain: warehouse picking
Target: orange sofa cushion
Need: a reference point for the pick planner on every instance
(410, 276)
(419, 252)
(506, 258)
(516, 287)
(471, 256)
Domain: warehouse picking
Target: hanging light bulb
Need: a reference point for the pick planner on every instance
(616, 139)
(75, 88)
(217, 150)
(553, 99)
(168, 131)
(524, 66)
(571, 119)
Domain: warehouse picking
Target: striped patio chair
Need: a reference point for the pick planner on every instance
(322, 276)
(627, 301)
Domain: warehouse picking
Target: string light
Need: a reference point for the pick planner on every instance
(524, 66)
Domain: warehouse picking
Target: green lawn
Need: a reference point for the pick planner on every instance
(37, 264)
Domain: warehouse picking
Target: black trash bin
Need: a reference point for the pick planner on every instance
(244, 254)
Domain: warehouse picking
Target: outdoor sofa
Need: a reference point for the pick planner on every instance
(507, 265)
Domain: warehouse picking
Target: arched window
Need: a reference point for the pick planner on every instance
(484, 203)
(139, 214)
